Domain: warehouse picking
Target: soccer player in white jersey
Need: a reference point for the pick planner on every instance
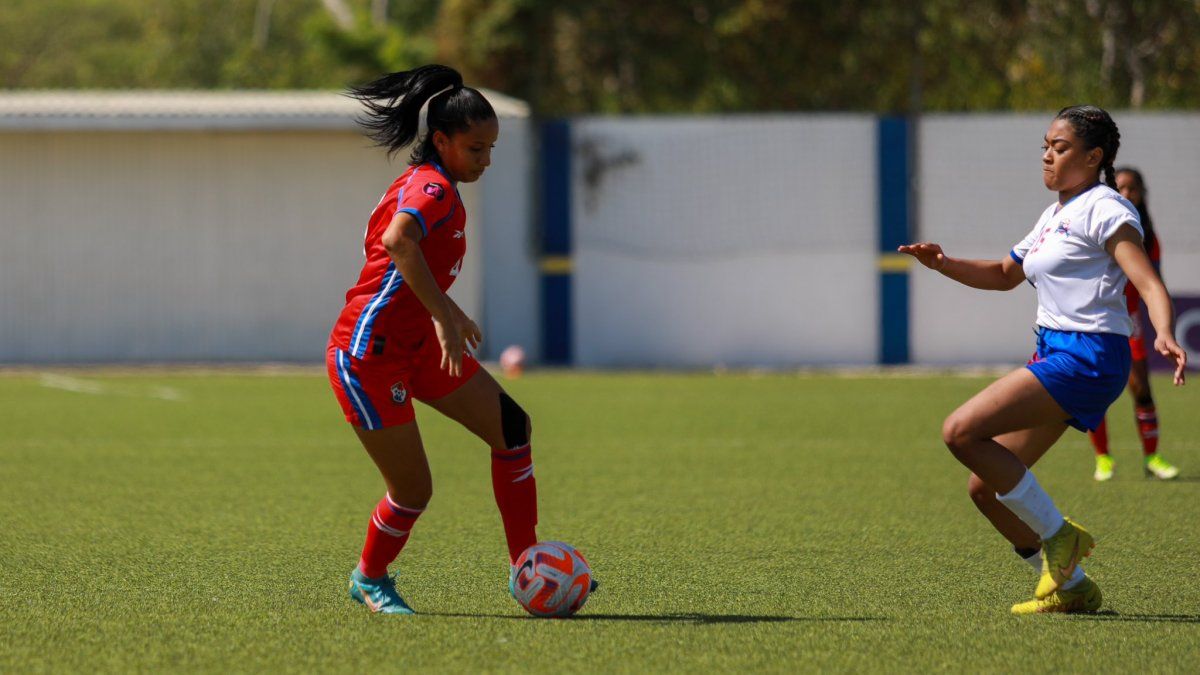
(1078, 257)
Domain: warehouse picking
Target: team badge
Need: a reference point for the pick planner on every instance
(436, 191)
(1064, 227)
(457, 268)
(399, 393)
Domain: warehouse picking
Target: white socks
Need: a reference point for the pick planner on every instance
(1035, 561)
(1076, 578)
(1033, 506)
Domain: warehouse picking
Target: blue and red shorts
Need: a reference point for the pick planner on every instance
(1084, 373)
(376, 391)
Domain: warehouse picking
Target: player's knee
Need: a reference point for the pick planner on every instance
(957, 434)
(515, 424)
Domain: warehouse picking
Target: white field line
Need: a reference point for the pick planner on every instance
(81, 386)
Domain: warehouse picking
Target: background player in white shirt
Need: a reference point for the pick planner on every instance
(1078, 257)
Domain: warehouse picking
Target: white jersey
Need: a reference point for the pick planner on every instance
(1079, 285)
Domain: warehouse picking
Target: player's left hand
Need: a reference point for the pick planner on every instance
(450, 337)
(470, 332)
(1166, 345)
(467, 327)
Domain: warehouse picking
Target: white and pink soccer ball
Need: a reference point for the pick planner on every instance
(512, 361)
(551, 579)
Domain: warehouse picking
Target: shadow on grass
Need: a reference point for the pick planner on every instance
(1110, 615)
(680, 618)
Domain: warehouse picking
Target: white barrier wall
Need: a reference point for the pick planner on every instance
(509, 283)
(167, 246)
(981, 191)
(740, 241)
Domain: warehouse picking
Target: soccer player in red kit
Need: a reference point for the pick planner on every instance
(400, 337)
(1132, 186)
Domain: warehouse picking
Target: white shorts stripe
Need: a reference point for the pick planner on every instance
(344, 371)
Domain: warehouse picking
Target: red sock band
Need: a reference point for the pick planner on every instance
(516, 496)
(1099, 438)
(1147, 424)
(386, 535)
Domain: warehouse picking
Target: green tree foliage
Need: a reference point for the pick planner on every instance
(633, 56)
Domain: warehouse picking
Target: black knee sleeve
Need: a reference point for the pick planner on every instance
(513, 422)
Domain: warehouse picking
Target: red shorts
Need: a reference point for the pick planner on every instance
(377, 390)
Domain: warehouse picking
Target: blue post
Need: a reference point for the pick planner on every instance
(555, 197)
(894, 229)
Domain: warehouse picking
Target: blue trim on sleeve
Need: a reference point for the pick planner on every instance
(416, 214)
(1014, 256)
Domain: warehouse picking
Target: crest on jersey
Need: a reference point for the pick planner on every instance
(1064, 227)
(399, 393)
(435, 190)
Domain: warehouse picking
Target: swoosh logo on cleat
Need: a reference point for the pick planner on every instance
(374, 607)
(1070, 569)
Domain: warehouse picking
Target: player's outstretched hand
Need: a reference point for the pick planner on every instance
(1166, 345)
(471, 333)
(930, 255)
(450, 336)
(467, 327)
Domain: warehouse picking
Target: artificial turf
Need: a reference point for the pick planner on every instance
(208, 521)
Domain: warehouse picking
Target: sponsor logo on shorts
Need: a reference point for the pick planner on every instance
(399, 393)
(435, 190)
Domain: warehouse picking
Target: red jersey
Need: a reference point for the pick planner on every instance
(381, 304)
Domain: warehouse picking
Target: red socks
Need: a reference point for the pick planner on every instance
(386, 535)
(1147, 424)
(516, 496)
(1099, 438)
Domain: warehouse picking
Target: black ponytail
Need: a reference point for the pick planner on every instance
(1098, 130)
(394, 102)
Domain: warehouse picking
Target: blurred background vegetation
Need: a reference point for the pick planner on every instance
(633, 56)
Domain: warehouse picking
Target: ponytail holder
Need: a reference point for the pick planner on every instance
(423, 115)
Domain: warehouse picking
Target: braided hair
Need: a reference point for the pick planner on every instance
(1098, 130)
(395, 102)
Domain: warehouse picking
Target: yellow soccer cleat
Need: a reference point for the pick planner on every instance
(1060, 554)
(1104, 468)
(1084, 598)
(1157, 467)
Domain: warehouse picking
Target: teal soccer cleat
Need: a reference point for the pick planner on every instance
(379, 595)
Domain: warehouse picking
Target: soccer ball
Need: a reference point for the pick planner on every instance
(551, 579)
(512, 361)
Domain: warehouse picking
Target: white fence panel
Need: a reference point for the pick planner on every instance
(739, 241)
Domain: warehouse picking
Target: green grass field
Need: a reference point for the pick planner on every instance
(207, 522)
